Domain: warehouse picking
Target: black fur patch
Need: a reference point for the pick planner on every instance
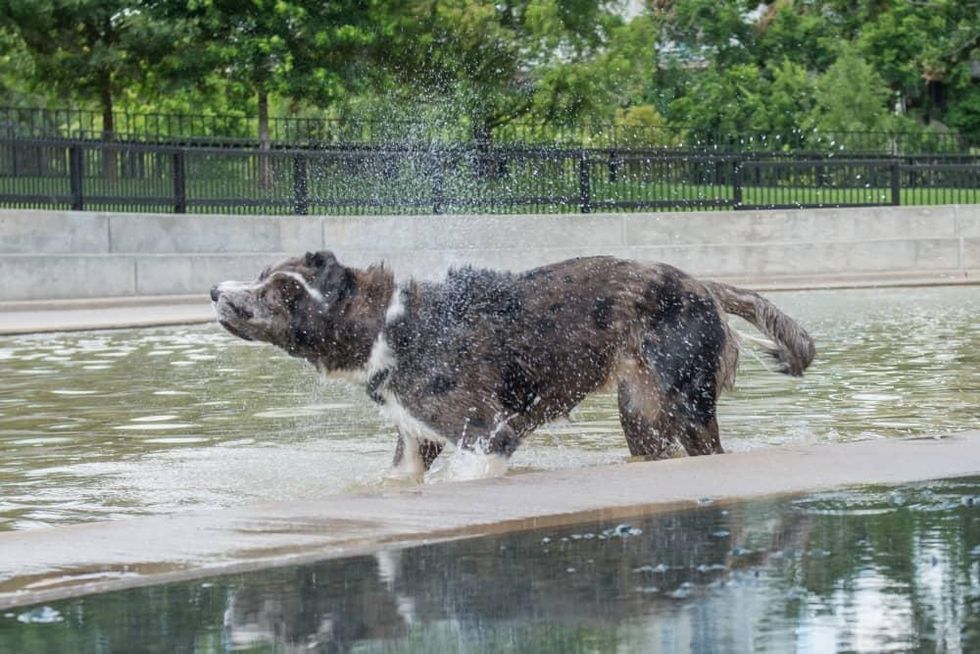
(471, 295)
(441, 384)
(374, 384)
(516, 391)
(686, 351)
(602, 313)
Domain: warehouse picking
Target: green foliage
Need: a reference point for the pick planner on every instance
(499, 62)
(790, 99)
(965, 114)
(725, 100)
(16, 73)
(796, 32)
(851, 97)
(90, 50)
(476, 66)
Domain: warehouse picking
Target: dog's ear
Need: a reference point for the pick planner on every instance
(335, 281)
(320, 260)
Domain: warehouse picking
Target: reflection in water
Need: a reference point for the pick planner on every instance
(106, 424)
(883, 569)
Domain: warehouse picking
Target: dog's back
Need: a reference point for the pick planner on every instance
(499, 353)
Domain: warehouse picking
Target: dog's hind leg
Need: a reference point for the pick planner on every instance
(640, 414)
(657, 426)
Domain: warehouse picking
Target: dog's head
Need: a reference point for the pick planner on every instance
(291, 305)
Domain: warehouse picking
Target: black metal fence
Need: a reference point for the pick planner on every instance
(95, 175)
(240, 130)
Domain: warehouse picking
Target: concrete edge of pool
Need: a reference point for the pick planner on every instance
(40, 316)
(49, 564)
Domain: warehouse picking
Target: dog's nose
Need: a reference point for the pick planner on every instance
(215, 293)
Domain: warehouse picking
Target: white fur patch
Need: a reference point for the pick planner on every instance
(411, 466)
(396, 306)
(312, 292)
(233, 286)
(412, 429)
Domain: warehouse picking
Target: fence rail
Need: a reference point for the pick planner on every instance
(457, 179)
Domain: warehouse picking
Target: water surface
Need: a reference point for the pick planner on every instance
(881, 569)
(108, 424)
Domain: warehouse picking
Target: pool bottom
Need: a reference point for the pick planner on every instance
(875, 569)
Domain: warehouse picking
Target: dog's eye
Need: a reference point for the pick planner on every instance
(286, 293)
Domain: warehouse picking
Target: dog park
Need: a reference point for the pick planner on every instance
(489, 327)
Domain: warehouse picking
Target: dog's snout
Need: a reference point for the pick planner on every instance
(215, 293)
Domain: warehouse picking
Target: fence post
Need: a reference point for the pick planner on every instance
(75, 177)
(301, 201)
(438, 184)
(613, 166)
(180, 183)
(896, 170)
(737, 183)
(584, 191)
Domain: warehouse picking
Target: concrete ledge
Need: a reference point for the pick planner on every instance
(47, 564)
(53, 255)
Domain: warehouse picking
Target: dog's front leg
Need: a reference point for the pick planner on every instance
(487, 451)
(413, 457)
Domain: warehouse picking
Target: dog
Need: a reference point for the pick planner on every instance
(482, 358)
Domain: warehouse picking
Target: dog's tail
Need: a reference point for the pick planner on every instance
(788, 342)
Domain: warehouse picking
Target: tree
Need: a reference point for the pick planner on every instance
(90, 50)
(790, 98)
(300, 49)
(499, 61)
(724, 100)
(795, 31)
(16, 73)
(851, 97)
(717, 30)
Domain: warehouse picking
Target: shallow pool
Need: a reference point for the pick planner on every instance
(871, 570)
(108, 424)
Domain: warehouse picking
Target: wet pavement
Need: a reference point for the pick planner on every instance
(42, 565)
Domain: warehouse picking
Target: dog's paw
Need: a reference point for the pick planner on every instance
(401, 478)
(467, 465)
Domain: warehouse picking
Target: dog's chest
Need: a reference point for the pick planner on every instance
(382, 366)
(397, 413)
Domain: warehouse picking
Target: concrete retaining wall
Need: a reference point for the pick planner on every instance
(62, 254)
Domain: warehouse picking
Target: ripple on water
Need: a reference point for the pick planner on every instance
(177, 440)
(155, 418)
(41, 441)
(310, 410)
(154, 426)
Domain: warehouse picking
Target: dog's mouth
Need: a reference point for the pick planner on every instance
(234, 331)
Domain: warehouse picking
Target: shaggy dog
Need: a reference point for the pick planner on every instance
(483, 357)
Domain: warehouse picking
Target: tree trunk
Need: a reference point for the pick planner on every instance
(486, 167)
(265, 163)
(109, 166)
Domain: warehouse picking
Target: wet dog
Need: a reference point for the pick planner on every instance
(483, 357)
